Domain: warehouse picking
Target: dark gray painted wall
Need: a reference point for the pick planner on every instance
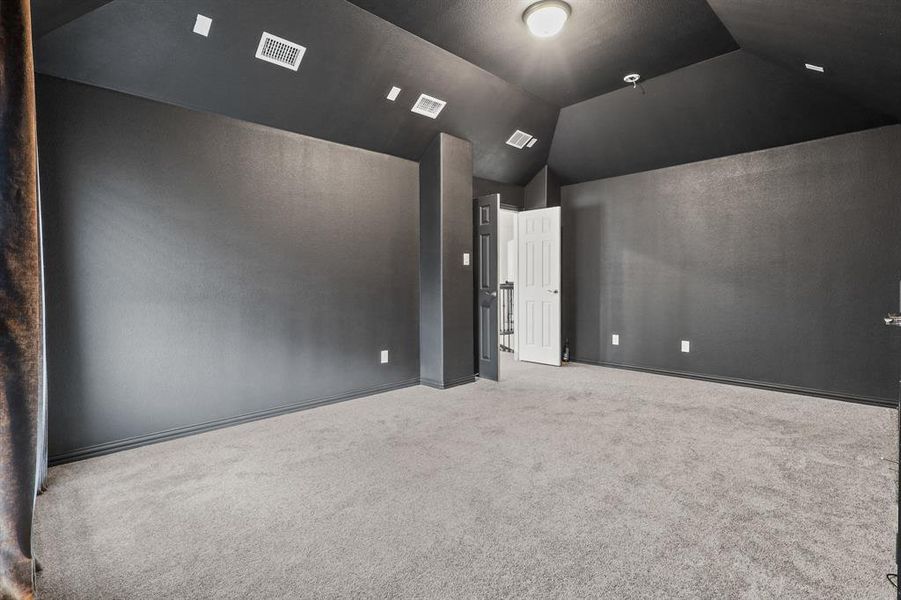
(777, 265)
(543, 191)
(456, 231)
(200, 268)
(446, 288)
(512, 196)
(431, 321)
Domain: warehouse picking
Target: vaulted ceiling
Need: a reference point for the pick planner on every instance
(353, 58)
(605, 40)
(718, 76)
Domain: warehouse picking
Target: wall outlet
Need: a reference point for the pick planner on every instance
(384, 357)
(614, 339)
(466, 259)
(686, 346)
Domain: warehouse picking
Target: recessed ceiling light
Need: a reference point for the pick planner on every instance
(546, 18)
(816, 68)
(202, 25)
(392, 95)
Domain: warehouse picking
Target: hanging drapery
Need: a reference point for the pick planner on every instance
(20, 302)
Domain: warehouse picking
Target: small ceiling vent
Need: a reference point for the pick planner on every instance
(519, 139)
(280, 51)
(428, 106)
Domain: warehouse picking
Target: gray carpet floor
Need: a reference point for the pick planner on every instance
(577, 482)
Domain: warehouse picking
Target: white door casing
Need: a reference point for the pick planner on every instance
(538, 285)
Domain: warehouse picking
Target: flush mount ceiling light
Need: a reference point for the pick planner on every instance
(546, 18)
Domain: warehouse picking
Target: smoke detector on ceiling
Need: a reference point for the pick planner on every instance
(428, 106)
(280, 51)
(519, 139)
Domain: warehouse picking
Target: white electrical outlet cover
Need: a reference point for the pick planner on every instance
(466, 259)
(384, 356)
(202, 25)
(686, 346)
(614, 339)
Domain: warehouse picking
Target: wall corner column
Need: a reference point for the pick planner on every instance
(445, 282)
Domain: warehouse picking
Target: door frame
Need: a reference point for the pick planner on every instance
(485, 287)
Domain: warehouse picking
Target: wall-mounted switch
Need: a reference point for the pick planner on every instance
(686, 346)
(614, 339)
(466, 259)
(384, 357)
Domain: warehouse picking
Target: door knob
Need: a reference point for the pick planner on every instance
(494, 294)
(554, 291)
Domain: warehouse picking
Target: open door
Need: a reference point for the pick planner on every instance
(485, 246)
(538, 281)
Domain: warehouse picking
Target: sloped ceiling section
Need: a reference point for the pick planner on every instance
(47, 15)
(352, 59)
(857, 42)
(603, 40)
(734, 103)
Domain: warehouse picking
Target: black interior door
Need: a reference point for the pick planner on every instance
(485, 247)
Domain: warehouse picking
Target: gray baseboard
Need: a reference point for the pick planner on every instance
(177, 432)
(775, 387)
(443, 385)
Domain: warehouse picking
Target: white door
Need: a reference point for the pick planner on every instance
(538, 285)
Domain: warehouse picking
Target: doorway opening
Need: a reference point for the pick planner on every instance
(517, 286)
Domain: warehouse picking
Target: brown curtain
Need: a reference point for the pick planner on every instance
(21, 365)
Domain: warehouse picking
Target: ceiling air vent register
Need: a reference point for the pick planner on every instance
(519, 139)
(428, 106)
(280, 51)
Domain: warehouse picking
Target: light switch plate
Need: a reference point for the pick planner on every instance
(466, 259)
(202, 25)
(384, 357)
(686, 346)
(614, 339)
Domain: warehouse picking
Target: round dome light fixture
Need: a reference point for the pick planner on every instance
(546, 18)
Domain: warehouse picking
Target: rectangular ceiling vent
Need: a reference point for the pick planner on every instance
(519, 139)
(428, 106)
(280, 51)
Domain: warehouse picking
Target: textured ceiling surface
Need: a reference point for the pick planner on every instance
(47, 15)
(602, 41)
(700, 97)
(352, 60)
(731, 104)
(858, 42)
